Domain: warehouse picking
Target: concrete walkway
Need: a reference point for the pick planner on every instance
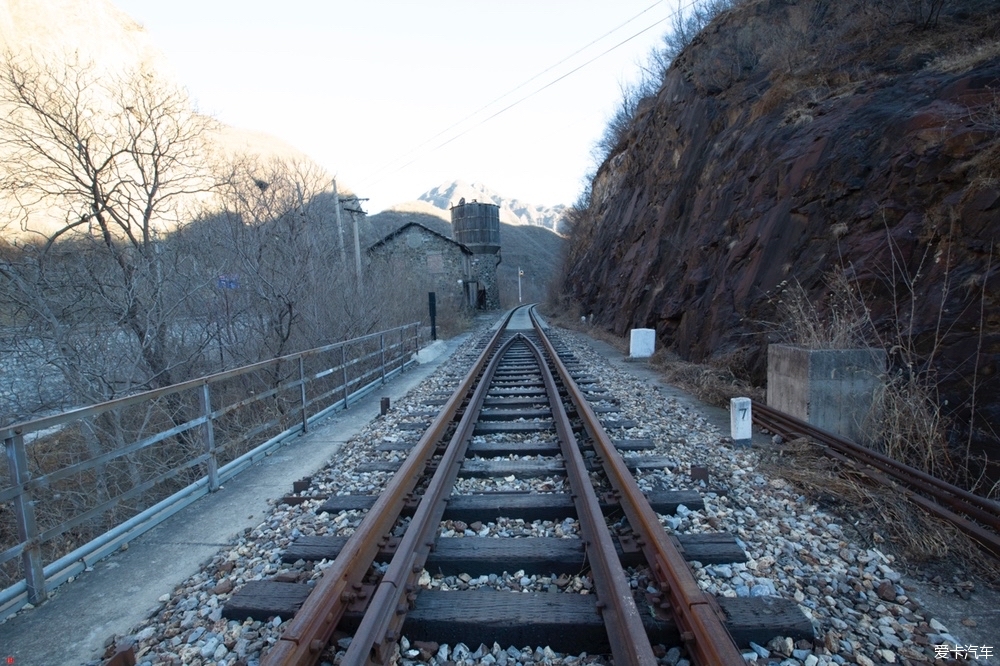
(122, 590)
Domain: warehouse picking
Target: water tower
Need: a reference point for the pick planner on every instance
(477, 226)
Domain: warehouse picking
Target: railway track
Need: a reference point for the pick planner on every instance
(977, 516)
(615, 581)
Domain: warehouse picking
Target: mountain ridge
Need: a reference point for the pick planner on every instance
(512, 211)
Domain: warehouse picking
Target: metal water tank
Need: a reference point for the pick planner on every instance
(477, 226)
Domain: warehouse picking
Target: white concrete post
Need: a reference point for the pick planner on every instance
(740, 421)
(643, 343)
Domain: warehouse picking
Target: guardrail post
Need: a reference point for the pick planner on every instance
(302, 386)
(343, 364)
(208, 434)
(381, 342)
(27, 528)
(402, 349)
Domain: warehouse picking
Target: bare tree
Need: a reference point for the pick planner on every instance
(281, 286)
(96, 168)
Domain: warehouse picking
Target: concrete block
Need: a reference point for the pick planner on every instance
(642, 343)
(430, 352)
(829, 388)
(740, 421)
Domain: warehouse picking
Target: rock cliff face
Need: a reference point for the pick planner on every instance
(796, 138)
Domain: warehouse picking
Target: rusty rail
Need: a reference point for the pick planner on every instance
(373, 640)
(699, 619)
(378, 632)
(310, 630)
(626, 633)
(915, 484)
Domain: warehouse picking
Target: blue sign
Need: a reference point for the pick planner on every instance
(229, 282)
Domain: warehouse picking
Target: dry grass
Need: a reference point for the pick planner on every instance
(906, 424)
(966, 59)
(905, 421)
(713, 383)
(566, 314)
(842, 325)
(881, 514)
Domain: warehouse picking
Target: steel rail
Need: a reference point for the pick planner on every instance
(696, 614)
(958, 499)
(622, 619)
(988, 510)
(984, 537)
(308, 632)
(380, 629)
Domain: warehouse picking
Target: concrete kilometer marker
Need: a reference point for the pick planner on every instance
(740, 421)
(643, 343)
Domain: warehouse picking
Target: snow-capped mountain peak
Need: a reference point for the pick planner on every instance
(512, 211)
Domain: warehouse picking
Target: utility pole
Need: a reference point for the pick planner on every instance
(357, 248)
(357, 236)
(340, 226)
(519, 274)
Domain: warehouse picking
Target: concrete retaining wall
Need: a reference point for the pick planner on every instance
(829, 388)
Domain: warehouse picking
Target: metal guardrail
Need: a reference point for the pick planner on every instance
(81, 483)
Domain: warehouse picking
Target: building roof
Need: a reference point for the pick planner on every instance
(393, 235)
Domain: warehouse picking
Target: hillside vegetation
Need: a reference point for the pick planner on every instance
(812, 142)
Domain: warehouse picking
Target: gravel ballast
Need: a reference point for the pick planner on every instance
(861, 607)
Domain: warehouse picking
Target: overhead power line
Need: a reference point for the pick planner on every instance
(550, 84)
(374, 177)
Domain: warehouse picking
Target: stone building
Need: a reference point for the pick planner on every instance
(462, 270)
(424, 261)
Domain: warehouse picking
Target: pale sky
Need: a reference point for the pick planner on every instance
(361, 86)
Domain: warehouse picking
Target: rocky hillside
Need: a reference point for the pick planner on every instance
(798, 138)
(512, 211)
(93, 31)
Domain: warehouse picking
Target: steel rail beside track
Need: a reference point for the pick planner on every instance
(696, 614)
(912, 480)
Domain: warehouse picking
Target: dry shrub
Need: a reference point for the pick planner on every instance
(881, 514)
(905, 421)
(906, 424)
(842, 325)
(714, 383)
(454, 322)
(776, 97)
